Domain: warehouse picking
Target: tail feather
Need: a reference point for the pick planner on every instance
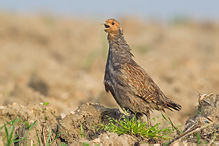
(172, 105)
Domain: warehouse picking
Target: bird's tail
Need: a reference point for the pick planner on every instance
(172, 105)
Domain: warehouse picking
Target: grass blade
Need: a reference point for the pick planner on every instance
(38, 138)
(82, 132)
(6, 131)
(47, 143)
(11, 133)
(34, 123)
(54, 138)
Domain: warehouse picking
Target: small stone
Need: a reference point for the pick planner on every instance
(1, 110)
(63, 115)
(97, 140)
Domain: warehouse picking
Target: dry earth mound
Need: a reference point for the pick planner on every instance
(80, 126)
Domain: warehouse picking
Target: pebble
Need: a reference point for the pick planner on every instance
(97, 140)
(72, 112)
(63, 115)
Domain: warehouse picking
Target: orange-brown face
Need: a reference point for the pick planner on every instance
(112, 27)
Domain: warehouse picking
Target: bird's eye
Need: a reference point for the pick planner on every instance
(113, 23)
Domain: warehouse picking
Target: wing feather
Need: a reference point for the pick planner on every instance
(144, 87)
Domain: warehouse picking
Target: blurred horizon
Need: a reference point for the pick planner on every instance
(159, 10)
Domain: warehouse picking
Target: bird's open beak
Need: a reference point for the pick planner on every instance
(106, 25)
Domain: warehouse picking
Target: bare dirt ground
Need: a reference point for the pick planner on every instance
(62, 61)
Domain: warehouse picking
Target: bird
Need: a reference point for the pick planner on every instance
(130, 85)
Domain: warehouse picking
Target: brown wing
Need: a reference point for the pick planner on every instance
(144, 87)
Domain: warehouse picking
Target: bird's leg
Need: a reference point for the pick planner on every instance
(139, 116)
(131, 113)
(148, 117)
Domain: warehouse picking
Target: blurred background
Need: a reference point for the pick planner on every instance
(55, 51)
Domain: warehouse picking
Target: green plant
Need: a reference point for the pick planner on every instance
(82, 132)
(38, 138)
(133, 126)
(46, 103)
(215, 135)
(9, 131)
(174, 128)
(48, 142)
(198, 138)
(63, 144)
(85, 144)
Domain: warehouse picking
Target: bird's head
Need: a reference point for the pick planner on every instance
(112, 27)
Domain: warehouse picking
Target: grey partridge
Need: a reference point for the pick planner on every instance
(132, 88)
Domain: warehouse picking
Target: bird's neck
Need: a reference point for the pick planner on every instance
(119, 47)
